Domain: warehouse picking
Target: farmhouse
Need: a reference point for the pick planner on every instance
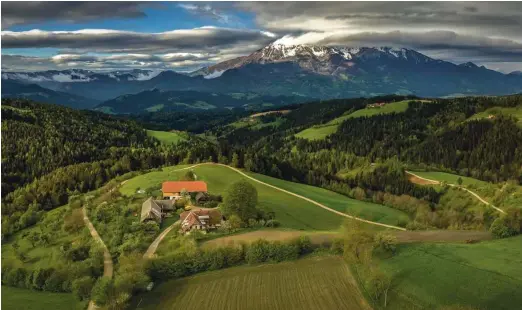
(200, 219)
(156, 209)
(376, 105)
(173, 189)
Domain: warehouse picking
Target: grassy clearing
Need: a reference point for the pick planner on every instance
(18, 298)
(516, 112)
(313, 283)
(151, 179)
(320, 132)
(317, 132)
(155, 108)
(485, 275)
(167, 137)
(370, 211)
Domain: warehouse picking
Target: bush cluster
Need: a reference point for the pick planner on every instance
(180, 265)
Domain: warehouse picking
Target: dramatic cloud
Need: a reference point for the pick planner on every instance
(485, 18)
(482, 32)
(206, 10)
(17, 13)
(113, 41)
(439, 43)
(171, 61)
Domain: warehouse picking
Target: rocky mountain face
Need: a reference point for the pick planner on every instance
(318, 59)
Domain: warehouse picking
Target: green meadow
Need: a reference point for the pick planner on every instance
(515, 112)
(17, 298)
(167, 137)
(292, 212)
(485, 275)
(320, 132)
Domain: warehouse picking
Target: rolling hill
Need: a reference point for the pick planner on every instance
(157, 100)
(291, 211)
(15, 89)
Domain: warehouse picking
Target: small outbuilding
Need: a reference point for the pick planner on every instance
(156, 209)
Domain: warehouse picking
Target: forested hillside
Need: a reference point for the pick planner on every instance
(39, 138)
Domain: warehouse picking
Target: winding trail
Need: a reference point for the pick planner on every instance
(108, 267)
(310, 200)
(462, 187)
(154, 245)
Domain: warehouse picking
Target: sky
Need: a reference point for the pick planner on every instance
(185, 36)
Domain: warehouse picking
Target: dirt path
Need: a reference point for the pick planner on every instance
(154, 245)
(310, 200)
(458, 186)
(108, 267)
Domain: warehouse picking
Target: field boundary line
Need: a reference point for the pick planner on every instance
(309, 200)
(464, 188)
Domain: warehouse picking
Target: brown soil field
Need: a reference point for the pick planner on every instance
(270, 235)
(442, 236)
(415, 180)
(270, 112)
(322, 237)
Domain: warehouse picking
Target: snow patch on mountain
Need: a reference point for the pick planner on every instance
(214, 74)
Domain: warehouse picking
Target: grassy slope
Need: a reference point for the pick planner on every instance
(515, 112)
(370, 211)
(17, 298)
(322, 131)
(167, 137)
(313, 283)
(291, 211)
(485, 275)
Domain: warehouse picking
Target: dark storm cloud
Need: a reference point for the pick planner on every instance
(433, 41)
(200, 39)
(488, 18)
(19, 13)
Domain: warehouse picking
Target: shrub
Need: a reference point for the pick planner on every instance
(82, 287)
(257, 251)
(385, 242)
(500, 228)
(100, 291)
(272, 223)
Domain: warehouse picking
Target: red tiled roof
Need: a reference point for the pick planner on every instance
(178, 186)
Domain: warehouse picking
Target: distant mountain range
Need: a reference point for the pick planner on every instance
(300, 70)
(14, 89)
(158, 100)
